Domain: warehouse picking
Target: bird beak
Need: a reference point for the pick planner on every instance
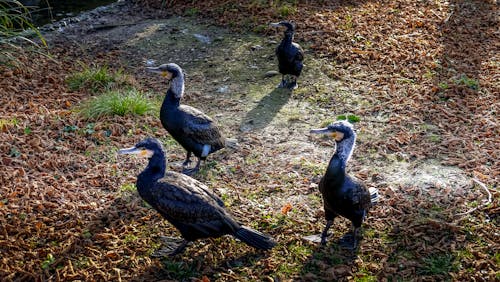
(275, 24)
(320, 131)
(136, 151)
(335, 134)
(157, 70)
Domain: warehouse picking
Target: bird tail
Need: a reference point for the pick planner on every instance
(374, 196)
(255, 238)
(232, 143)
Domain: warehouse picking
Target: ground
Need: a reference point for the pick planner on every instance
(68, 204)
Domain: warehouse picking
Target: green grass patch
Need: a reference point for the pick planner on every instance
(119, 103)
(364, 277)
(438, 264)
(443, 85)
(179, 271)
(286, 10)
(127, 187)
(434, 138)
(95, 79)
(8, 123)
(191, 12)
(349, 118)
(130, 238)
(469, 82)
(48, 261)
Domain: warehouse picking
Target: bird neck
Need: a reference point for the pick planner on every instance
(335, 172)
(176, 90)
(287, 40)
(154, 171)
(344, 150)
(170, 100)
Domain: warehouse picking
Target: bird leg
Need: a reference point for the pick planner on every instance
(293, 83)
(191, 171)
(350, 240)
(324, 234)
(283, 82)
(188, 160)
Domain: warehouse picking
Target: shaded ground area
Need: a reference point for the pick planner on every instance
(67, 208)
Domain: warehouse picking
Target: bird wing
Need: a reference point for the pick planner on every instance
(181, 198)
(299, 54)
(200, 127)
(360, 195)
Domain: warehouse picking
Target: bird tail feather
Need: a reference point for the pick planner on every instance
(232, 143)
(255, 238)
(374, 196)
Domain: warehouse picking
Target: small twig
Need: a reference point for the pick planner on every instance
(449, 16)
(481, 206)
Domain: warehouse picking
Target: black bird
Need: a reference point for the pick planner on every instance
(343, 195)
(290, 56)
(187, 203)
(194, 130)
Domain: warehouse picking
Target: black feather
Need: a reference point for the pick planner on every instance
(188, 204)
(290, 55)
(342, 194)
(187, 125)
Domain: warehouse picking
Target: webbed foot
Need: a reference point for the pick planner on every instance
(293, 85)
(348, 241)
(172, 247)
(190, 171)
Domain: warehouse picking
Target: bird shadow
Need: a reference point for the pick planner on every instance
(266, 109)
(182, 268)
(332, 255)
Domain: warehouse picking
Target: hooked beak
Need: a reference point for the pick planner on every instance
(129, 151)
(136, 151)
(320, 131)
(157, 70)
(334, 134)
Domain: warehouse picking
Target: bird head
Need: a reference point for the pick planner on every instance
(146, 148)
(169, 71)
(338, 130)
(289, 26)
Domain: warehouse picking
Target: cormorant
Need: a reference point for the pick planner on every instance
(194, 130)
(343, 195)
(290, 56)
(187, 203)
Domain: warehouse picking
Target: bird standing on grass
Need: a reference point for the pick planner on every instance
(290, 56)
(342, 194)
(186, 203)
(194, 130)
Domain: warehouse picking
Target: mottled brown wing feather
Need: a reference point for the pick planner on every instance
(187, 200)
(201, 127)
(362, 194)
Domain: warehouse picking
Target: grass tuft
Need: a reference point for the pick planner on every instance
(438, 264)
(119, 103)
(15, 29)
(350, 118)
(96, 79)
(286, 10)
(469, 82)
